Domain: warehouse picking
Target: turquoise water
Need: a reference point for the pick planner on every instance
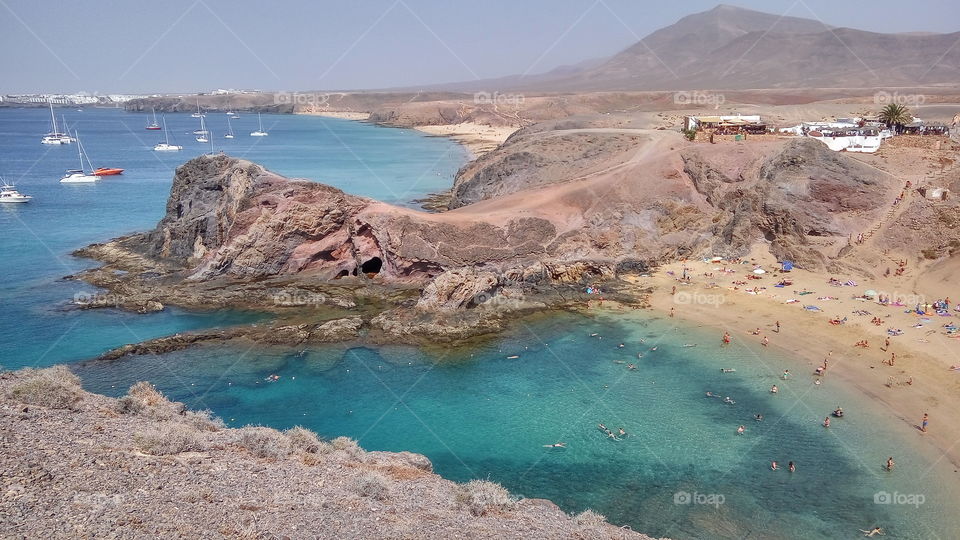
(36, 239)
(480, 414)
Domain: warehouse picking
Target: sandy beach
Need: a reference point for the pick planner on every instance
(919, 382)
(343, 115)
(477, 138)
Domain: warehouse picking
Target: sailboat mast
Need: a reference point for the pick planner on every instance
(53, 117)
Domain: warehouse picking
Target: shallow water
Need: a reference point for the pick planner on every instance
(36, 238)
(480, 415)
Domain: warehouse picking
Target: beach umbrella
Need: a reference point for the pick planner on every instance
(759, 271)
(787, 266)
(870, 292)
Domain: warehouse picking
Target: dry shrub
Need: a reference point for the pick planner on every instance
(304, 440)
(482, 497)
(348, 446)
(167, 439)
(264, 442)
(372, 484)
(589, 518)
(400, 472)
(55, 387)
(143, 399)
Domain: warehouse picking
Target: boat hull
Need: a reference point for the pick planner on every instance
(107, 172)
(79, 179)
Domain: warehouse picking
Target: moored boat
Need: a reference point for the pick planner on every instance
(10, 195)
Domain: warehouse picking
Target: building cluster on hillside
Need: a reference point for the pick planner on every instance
(81, 98)
(842, 134)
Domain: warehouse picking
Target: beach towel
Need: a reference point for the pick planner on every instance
(804, 293)
(851, 283)
(812, 308)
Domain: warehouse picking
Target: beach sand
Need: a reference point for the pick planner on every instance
(477, 138)
(923, 354)
(344, 115)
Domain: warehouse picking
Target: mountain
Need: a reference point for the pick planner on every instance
(735, 48)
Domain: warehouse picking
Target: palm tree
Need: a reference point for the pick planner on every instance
(895, 114)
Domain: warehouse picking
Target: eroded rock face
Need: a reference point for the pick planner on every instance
(228, 217)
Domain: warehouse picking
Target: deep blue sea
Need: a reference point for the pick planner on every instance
(681, 471)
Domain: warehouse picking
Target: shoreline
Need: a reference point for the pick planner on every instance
(859, 370)
(478, 139)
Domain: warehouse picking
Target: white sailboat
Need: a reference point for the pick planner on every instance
(202, 132)
(198, 114)
(153, 126)
(55, 137)
(10, 195)
(229, 134)
(79, 176)
(166, 146)
(259, 132)
(66, 138)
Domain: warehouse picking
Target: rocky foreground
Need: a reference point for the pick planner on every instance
(81, 465)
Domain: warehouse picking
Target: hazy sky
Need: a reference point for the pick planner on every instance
(198, 45)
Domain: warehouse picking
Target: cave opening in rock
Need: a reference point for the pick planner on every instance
(372, 266)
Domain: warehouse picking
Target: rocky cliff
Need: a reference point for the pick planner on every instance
(80, 465)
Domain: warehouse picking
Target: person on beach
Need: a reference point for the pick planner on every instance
(726, 338)
(791, 467)
(740, 430)
(671, 312)
(778, 327)
(923, 423)
(893, 358)
(756, 332)
(890, 463)
(674, 292)
(786, 374)
(765, 341)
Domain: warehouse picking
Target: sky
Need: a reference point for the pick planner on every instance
(134, 46)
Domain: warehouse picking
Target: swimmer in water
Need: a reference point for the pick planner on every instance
(740, 430)
(758, 417)
(601, 426)
(890, 463)
(774, 466)
(622, 432)
(791, 467)
(728, 400)
(826, 421)
(774, 389)
(620, 346)
(872, 532)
